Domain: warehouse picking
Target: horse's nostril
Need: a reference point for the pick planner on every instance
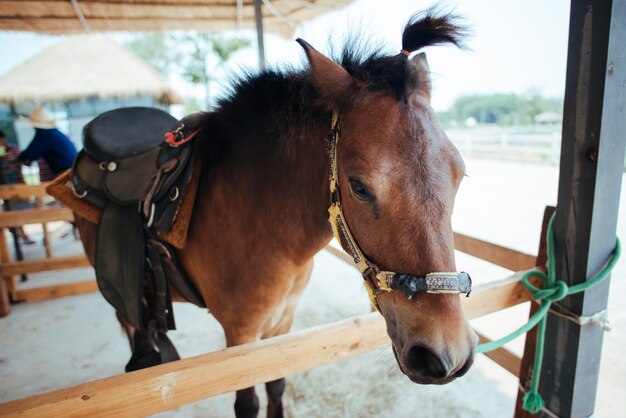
(426, 363)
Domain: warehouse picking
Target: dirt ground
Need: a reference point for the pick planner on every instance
(54, 344)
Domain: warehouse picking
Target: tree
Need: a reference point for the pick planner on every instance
(187, 55)
(156, 49)
(502, 109)
(195, 69)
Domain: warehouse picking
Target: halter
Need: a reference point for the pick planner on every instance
(376, 280)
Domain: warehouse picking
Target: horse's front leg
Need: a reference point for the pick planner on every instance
(276, 388)
(246, 402)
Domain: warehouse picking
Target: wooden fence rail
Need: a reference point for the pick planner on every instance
(9, 268)
(171, 385)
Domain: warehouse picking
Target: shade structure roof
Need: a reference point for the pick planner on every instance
(80, 67)
(68, 16)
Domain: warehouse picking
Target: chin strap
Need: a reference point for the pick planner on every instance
(377, 281)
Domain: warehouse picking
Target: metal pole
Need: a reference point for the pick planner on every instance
(258, 14)
(591, 169)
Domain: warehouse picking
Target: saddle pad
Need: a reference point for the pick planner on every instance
(177, 236)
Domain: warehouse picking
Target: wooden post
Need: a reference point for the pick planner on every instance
(8, 281)
(5, 302)
(44, 227)
(592, 164)
(258, 14)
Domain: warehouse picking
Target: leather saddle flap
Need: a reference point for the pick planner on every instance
(132, 177)
(123, 133)
(127, 184)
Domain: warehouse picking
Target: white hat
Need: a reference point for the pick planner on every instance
(40, 118)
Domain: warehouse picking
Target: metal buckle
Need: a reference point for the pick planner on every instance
(151, 217)
(173, 196)
(73, 189)
(163, 248)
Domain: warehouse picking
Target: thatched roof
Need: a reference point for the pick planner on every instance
(65, 16)
(82, 66)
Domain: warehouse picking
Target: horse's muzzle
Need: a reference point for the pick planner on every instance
(424, 365)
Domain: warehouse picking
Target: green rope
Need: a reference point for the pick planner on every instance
(553, 291)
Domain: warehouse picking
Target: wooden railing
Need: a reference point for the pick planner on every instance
(10, 268)
(171, 385)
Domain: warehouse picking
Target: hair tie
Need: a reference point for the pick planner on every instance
(405, 52)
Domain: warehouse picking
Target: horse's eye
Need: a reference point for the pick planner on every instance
(361, 191)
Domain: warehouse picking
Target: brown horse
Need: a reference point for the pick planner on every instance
(261, 213)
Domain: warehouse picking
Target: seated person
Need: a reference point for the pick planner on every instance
(49, 143)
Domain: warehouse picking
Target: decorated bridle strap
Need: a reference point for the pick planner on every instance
(337, 220)
(440, 282)
(342, 235)
(334, 173)
(377, 281)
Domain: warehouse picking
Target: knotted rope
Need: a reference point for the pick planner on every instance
(553, 290)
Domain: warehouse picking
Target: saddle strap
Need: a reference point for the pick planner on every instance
(163, 309)
(177, 278)
(174, 273)
(167, 209)
(120, 261)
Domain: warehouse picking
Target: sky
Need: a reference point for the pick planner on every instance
(515, 46)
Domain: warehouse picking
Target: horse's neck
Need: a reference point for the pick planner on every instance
(281, 198)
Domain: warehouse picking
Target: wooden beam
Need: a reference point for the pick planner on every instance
(55, 291)
(592, 165)
(46, 264)
(130, 9)
(502, 256)
(5, 257)
(258, 19)
(34, 216)
(493, 253)
(171, 385)
(44, 227)
(22, 191)
(72, 25)
(340, 255)
(5, 302)
(505, 358)
(497, 295)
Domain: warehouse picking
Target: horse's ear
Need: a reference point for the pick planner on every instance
(420, 63)
(332, 79)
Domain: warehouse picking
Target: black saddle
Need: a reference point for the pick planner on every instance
(126, 133)
(137, 179)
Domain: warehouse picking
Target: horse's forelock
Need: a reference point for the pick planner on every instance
(394, 73)
(433, 27)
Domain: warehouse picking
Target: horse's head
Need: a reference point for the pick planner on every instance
(398, 174)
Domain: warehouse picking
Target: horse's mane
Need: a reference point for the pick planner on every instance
(267, 106)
